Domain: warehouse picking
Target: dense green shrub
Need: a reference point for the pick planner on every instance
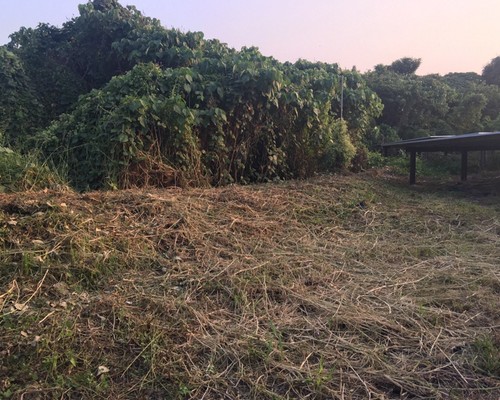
(240, 124)
(19, 109)
(133, 103)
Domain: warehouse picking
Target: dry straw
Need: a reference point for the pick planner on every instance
(341, 287)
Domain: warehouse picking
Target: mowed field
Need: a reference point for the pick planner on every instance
(338, 287)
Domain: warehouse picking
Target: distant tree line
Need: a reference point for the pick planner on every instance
(428, 105)
(117, 100)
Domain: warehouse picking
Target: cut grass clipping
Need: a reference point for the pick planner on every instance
(341, 287)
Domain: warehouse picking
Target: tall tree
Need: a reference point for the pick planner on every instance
(19, 108)
(491, 72)
(43, 52)
(405, 65)
(413, 106)
(105, 40)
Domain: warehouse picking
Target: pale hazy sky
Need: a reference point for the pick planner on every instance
(449, 35)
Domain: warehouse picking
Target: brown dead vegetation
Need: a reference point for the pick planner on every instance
(340, 287)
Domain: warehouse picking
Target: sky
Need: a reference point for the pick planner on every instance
(448, 35)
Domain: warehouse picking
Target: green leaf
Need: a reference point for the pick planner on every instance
(134, 105)
(142, 121)
(122, 138)
(72, 361)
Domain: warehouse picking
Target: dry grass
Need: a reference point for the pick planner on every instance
(340, 287)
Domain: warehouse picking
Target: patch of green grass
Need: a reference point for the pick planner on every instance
(320, 376)
(26, 172)
(486, 355)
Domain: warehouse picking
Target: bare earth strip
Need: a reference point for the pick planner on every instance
(339, 287)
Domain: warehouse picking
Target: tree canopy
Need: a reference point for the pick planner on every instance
(491, 72)
(405, 65)
(19, 108)
(432, 105)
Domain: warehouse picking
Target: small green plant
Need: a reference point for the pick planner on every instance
(27, 263)
(487, 355)
(277, 336)
(183, 390)
(20, 172)
(400, 164)
(320, 376)
(376, 159)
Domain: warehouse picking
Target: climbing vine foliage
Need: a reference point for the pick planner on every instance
(148, 105)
